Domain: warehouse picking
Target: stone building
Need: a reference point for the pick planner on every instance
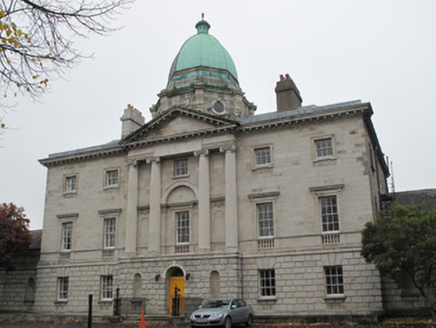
(217, 201)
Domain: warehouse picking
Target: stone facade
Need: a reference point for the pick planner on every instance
(208, 199)
(18, 286)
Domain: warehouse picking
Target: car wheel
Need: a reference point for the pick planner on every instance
(228, 322)
(249, 321)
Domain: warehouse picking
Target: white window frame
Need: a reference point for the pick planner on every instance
(262, 157)
(181, 167)
(109, 232)
(67, 237)
(108, 179)
(62, 290)
(324, 192)
(106, 288)
(267, 283)
(105, 215)
(70, 187)
(329, 217)
(265, 218)
(317, 156)
(183, 230)
(334, 280)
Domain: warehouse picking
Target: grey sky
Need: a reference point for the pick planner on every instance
(383, 52)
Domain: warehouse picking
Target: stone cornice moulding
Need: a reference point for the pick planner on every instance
(263, 195)
(69, 216)
(115, 211)
(80, 157)
(329, 188)
(363, 108)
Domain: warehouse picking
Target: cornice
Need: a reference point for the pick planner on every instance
(50, 161)
(224, 126)
(302, 118)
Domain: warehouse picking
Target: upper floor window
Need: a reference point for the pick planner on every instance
(181, 167)
(111, 178)
(106, 287)
(182, 224)
(262, 156)
(70, 184)
(109, 233)
(329, 213)
(334, 280)
(63, 283)
(324, 147)
(67, 236)
(267, 283)
(265, 219)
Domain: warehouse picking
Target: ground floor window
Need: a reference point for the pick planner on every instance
(63, 283)
(267, 280)
(334, 280)
(106, 283)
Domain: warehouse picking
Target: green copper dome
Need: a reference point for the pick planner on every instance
(203, 57)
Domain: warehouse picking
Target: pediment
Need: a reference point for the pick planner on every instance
(178, 123)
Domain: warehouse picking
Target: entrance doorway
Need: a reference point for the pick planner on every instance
(177, 292)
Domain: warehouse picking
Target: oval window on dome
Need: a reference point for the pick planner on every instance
(218, 107)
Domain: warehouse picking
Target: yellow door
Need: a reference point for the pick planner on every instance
(179, 283)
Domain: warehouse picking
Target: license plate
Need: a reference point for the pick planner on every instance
(201, 320)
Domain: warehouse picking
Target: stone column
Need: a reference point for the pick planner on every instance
(203, 200)
(155, 194)
(132, 208)
(231, 206)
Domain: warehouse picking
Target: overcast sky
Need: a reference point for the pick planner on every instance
(383, 52)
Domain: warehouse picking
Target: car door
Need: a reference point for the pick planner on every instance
(238, 311)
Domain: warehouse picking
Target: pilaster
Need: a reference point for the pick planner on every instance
(155, 193)
(132, 204)
(203, 201)
(231, 207)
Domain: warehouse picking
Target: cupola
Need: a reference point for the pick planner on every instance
(203, 78)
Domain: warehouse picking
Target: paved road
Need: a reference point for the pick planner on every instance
(81, 325)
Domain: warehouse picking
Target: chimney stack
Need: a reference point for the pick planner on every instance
(288, 96)
(132, 120)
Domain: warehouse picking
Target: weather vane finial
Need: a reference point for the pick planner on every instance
(202, 16)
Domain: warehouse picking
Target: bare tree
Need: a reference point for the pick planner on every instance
(36, 39)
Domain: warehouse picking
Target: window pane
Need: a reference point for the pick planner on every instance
(267, 282)
(109, 233)
(265, 219)
(334, 280)
(181, 167)
(67, 234)
(106, 287)
(63, 288)
(70, 183)
(112, 177)
(182, 223)
(329, 213)
(263, 156)
(324, 147)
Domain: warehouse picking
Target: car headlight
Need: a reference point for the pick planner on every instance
(215, 316)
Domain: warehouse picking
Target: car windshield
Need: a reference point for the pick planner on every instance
(212, 304)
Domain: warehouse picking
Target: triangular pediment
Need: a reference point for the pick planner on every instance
(178, 123)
